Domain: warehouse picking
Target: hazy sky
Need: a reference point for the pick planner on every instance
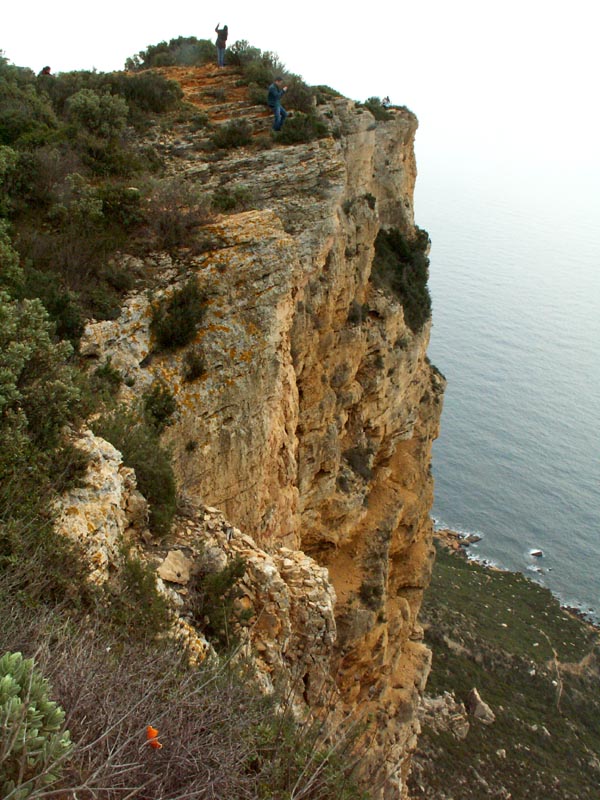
(486, 79)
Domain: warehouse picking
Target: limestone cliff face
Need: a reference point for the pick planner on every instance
(311, 428)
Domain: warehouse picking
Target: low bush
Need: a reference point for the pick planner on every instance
(176, 318)
(299, 96)
(159, 405)
(235, 198)
(121, 204)
(402, 266)
(138, 443)
(301, 128)
(324, 94)
(242, 53)
(34, 742)
(146, 91)
(359, 458)
(357, 313)
(194, 364)
(136, 606)
(106, 380)
(375, 106)
(214, 607)
(104, 115)
(38, 394)
(237, 133)
(174, 212)
(26, 117)
(185, 50)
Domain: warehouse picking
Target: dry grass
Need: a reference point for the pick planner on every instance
(221, 738)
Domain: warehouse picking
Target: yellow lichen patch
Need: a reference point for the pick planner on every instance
(246, 356)
(252, 329)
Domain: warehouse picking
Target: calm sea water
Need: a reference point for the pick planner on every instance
(515, 281)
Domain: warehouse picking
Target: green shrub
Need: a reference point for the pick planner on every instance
(39, 398)
(106, 380)
(374, 105)
(403, 267)
(38, 563)
(11, 275)
(108, 156)
(260, 72)
(8, 162)
(159, 405)
(214, 608)
(34, 743)
(236, 133)
(63, 306)
(136, 605)
(26, 116)
(138, 443)
(199, 120)
(104, 115)
(176, 209)
(66, 84)
(176, 319)
(185, 50)
(299, 96)
(371, 200)
(236, 198)
(38, 395)
(241, 53)
(301, 128)
(325, 94)
(359, 458)
(121, 205)
(194, 364)
(147, 91)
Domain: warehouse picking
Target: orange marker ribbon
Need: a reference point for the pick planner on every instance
(152, 737)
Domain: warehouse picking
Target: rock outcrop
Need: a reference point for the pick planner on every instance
(311, 426)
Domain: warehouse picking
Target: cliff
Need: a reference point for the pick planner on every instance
(305, 444)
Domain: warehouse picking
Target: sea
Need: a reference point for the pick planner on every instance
(515, 285)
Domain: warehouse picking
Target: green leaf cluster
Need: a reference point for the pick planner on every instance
(176, 319)
(33, 743)
(402, 266)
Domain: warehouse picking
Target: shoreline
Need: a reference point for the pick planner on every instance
(458, 544)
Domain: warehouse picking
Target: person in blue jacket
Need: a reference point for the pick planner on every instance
(276, 92)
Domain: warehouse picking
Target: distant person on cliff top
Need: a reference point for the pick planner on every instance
(221, 43)
(386, 102)
(44, 71)
(276, 92)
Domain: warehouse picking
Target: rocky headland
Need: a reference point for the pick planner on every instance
(304, 445)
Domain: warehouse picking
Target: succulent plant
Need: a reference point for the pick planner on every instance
(33, 744)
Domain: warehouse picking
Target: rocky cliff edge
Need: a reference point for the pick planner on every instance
(305, 445)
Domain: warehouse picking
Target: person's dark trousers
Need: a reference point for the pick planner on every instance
(280, 117)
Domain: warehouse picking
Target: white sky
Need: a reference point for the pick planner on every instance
(486, 79)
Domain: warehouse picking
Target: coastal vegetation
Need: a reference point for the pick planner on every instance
(402, 266)
(536, 665)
